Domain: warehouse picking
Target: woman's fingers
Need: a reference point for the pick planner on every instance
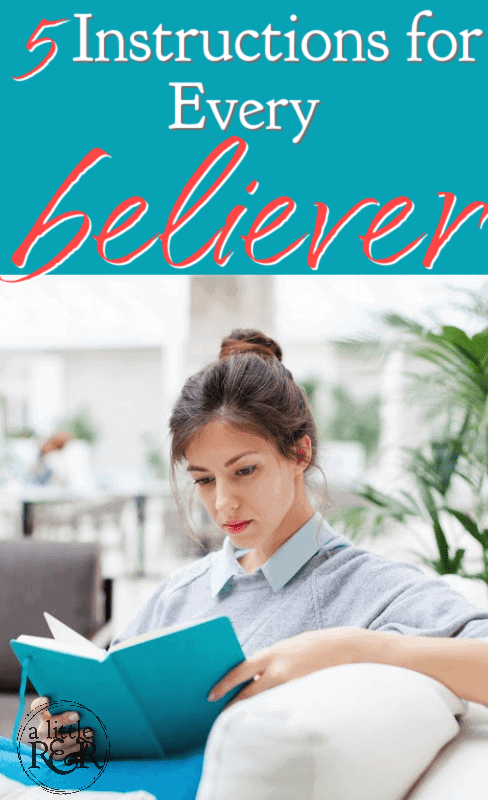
(58, 746)
(64, 744)
(60, 750)
(257, 686)
(59, 732)
(38, 703)
(243, 672)
(66, 718)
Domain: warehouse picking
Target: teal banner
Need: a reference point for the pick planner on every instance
(267, 137)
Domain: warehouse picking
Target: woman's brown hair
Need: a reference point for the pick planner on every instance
(248, 386)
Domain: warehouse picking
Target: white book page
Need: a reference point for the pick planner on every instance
(67, 636)
(61, 647)
(146, 637)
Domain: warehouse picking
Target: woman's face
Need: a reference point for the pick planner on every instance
(250, 490)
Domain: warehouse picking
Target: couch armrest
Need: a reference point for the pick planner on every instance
(41, 576)
(459, 771)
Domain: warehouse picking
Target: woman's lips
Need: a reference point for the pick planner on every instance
(235, 527)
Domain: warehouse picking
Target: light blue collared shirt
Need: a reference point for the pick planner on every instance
(281, 567)
(317, 579)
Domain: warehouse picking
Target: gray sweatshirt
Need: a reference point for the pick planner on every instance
(317, 579)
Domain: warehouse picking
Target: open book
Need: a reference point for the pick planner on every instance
(150, 692)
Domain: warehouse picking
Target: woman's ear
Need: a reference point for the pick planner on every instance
(304, 451)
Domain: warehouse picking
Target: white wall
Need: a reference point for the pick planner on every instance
(124, 391)
(65, 311)
(68, 318)
(336, 306)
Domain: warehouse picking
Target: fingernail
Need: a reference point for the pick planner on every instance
(212, 696)
(73, 717)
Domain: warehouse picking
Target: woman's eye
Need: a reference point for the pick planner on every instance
(203, 481)
(246, 470)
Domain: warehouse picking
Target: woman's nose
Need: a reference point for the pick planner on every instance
(225, 498)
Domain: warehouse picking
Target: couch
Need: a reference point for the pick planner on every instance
(352, 732)
(38, 576)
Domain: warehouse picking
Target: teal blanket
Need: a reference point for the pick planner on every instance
(174, 778)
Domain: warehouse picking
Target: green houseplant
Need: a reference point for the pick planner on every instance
(454, 391)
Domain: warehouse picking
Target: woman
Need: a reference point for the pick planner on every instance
(300, 597)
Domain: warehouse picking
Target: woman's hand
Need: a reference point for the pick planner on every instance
(59, 743)
(292, 658)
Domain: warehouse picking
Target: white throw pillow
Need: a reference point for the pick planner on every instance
(351, 732)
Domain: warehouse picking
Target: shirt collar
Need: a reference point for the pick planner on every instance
(280, 568)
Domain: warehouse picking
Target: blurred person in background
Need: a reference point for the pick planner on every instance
(60, 461)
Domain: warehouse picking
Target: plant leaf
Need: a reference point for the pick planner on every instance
(457, 560)
(467, 523)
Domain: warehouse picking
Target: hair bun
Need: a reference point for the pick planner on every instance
(249, 341)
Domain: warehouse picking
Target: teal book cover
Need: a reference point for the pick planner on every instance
(151, 695)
